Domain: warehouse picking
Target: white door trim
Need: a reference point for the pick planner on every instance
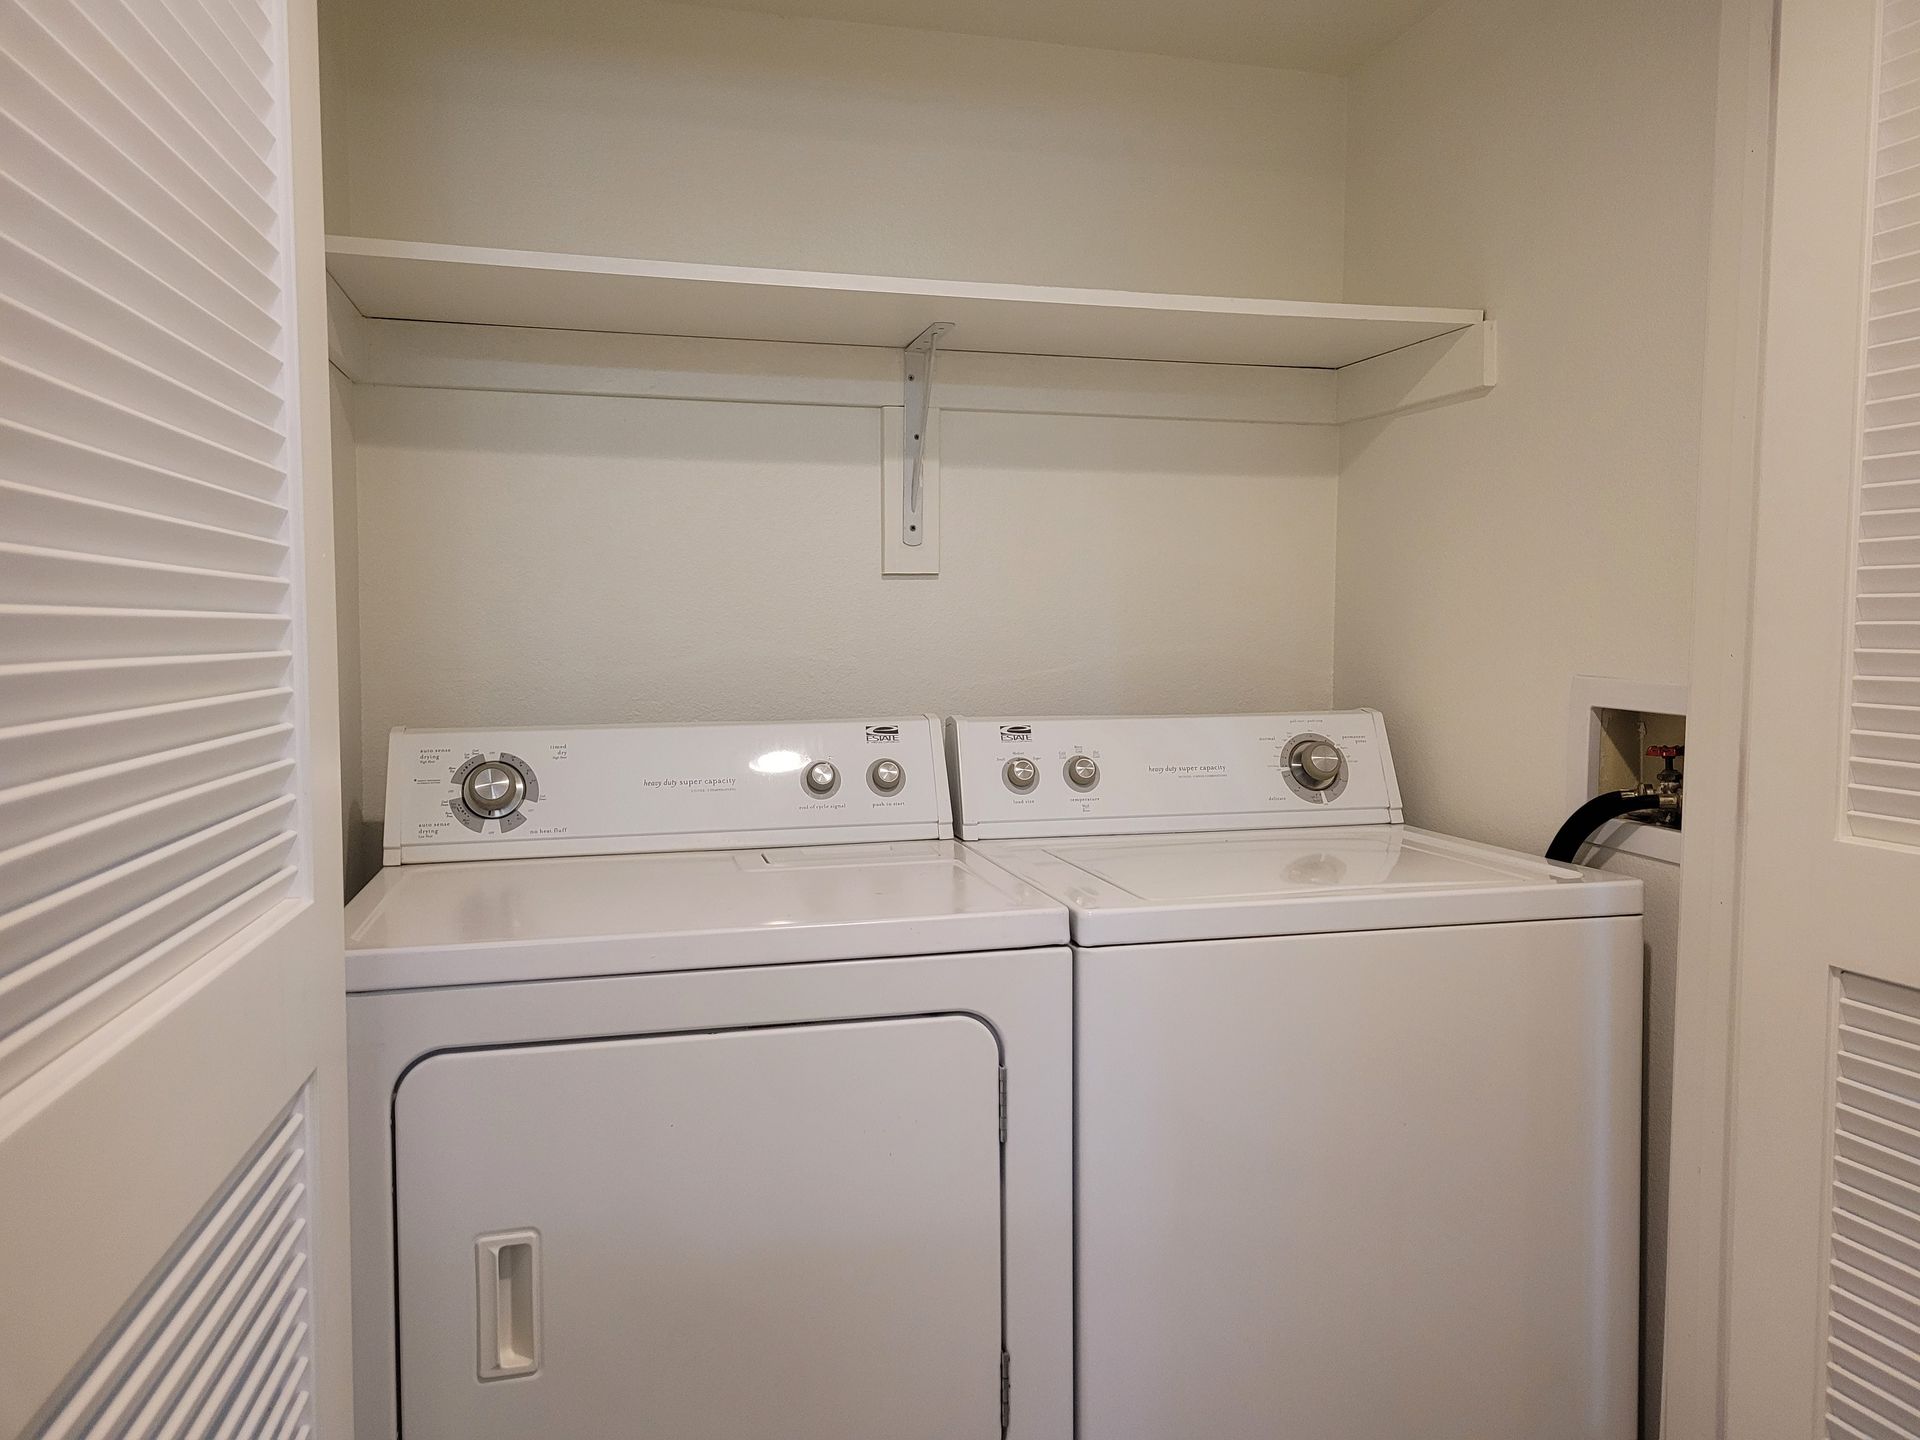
(1694, 1371)
(318, 616)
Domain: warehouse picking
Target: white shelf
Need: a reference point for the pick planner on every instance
(410, 280)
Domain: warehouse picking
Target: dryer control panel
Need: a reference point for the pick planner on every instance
(1025, 777)
(612, 789)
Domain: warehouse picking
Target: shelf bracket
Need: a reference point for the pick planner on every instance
(919, 358)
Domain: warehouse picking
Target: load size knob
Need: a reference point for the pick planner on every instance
(821, 778)
(1083, 772)
(1316, 763)
(494, 790)
(1021, 774)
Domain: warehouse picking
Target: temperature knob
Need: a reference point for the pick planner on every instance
(1316, 763)
(1021, 774)
(494, 790)
(886, 777)
(821, 778)
(1083, 772)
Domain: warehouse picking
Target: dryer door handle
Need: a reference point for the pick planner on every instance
(507, 1265)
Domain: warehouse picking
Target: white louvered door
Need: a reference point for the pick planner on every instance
(1823, 1286)
(171, 1165)
(1884, 746)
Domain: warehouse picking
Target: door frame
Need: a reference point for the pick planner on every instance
(1694, 1368)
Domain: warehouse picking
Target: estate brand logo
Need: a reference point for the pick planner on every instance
(1016, 734)
(883, 734)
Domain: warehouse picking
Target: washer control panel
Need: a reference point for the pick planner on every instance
(589, 790)
(1029, 777)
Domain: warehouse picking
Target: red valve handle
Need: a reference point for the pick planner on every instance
(1666, 752)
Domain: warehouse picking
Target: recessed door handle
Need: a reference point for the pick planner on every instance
(507, 1265)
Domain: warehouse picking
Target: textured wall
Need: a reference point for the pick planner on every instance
(713, 135)
(362, 851)
(1553, 162)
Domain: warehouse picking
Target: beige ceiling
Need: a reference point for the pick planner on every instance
(1331, 36)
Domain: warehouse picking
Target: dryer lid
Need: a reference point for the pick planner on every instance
(537, 919)
(1129, 890)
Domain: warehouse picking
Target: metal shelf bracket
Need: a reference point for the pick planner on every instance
(919, 357)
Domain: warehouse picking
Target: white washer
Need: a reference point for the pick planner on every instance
(1358, 1106)
(766, 1134)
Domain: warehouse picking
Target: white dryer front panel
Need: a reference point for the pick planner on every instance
(788, 1231)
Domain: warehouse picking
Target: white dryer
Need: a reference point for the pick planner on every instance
(1358, 1106)
(765, 1133)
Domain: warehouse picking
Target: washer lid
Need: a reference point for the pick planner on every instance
(1131, 890)
(488, 922)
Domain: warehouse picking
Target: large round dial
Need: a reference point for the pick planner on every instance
(1316, 763)
(1083, 772)
(494, 790)
(1021, 774)
(821, 778)
(886, 777)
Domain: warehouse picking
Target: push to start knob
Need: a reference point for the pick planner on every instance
(494, 790)
(1315, 763)
(886, 776)
(821, 778)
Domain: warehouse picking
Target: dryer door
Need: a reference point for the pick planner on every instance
(781, 1232)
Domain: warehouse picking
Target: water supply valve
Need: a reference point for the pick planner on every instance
(1666, 787)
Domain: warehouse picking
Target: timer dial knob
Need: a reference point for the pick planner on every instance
(494, 790)
(821, 778)
(886, 776)
(1315, 763)
(1083, 772)
(1021, 774)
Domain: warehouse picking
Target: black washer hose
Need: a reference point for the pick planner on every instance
(1592, 815)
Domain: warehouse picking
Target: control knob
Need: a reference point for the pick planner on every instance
(1021, 774)
(494, 790)
(1315, 763)
(821, 778)
(1083, 772)
(886, 776)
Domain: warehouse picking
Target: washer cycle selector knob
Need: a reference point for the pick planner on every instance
(1021, 774)
(821, 778)
(1316, 763)
(886, 777)
(494, 790)
(1083, 772)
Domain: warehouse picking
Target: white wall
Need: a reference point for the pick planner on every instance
(1555, 163)
(688, 133)
(362, 858)
(587, 559)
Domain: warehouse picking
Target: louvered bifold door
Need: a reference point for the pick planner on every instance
(217, 1347)
(1873, 1297)
(171, 1005)
(1883, 792)
(146, 748)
